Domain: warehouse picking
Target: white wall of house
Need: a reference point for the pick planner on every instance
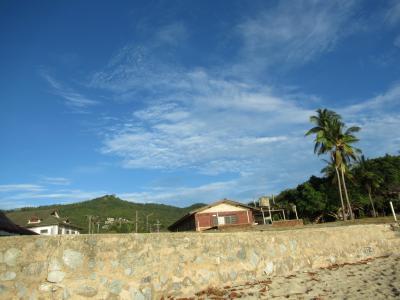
(223, 207)
(54, 230)
(45, 230)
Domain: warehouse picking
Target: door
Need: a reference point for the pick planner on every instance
(221, 220)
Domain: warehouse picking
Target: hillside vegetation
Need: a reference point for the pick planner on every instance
(108, 206)
(317, 199)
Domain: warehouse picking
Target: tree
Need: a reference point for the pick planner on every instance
(324, 141)
(344, 152)
(331, 136)
(368, 180)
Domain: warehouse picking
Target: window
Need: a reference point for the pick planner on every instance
(231, 219)
(43, 231)
(214, 220)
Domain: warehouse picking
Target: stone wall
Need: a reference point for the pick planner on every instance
(288, 223)
(147, 266)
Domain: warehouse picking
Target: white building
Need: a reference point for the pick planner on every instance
(52, 225)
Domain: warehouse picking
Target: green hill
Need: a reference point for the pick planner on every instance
(105, 207)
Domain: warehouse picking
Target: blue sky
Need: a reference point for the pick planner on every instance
(179, 102)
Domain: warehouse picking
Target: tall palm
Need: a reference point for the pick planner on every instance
(324, 141)
(369, 180)
(330, 170)
(332, 137)
(344, 152)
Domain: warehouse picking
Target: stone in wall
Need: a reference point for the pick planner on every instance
(11, 256)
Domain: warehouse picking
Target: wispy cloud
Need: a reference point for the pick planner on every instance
(207, 123)
(172, 34)
(294, 33)
(388, 100)
(392, 16)
(21, 187)
(56, 180)
(72, 98)
(14, 198)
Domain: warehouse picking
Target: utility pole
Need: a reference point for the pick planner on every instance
(158, 225)
(136, 222)
(147, 222)
(89, 217)
(393, 212)
(295, 211)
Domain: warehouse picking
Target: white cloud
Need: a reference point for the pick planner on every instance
(397, 41)
(22, 198)
(56, 180)
(385, 101)
(21, 187)
(181, 195)
(292, 33)
(172, 34)
(214, 127)
(72, 98)
(393, 13)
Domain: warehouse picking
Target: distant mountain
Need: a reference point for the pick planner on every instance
(108, 206)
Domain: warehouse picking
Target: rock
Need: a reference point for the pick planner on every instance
(21, 290)
(147, 293)
(232, 275)
(34, 269)
(198, 260)
(46, 287)
(187, 282)
(86, 291)
(254, 259)
(128, 271)
(7, 276)
(1, 257)
(163, 279)
(104, 280)
(3, 289)
(92, 263)
(205, 275)
(146, 279)
(114, 264)
(176, 286)
(55, 276)
(116, 287)
(136, 294)
(39, 243)
(241, 254)
(32, 296)
(66, 294)
(11, 256)
(54, 265)
(269, 268)
(72, 258)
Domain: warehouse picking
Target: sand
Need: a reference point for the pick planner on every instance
(377, 278)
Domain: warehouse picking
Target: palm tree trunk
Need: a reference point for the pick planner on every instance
(347, 196)
(340, 194)
(372, 202)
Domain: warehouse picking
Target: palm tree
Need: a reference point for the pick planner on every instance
(332, 137)
(332, 171)
(369, 180)
(323, 141)
(344, 152)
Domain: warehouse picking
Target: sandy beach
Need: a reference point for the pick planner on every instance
(377, 278)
